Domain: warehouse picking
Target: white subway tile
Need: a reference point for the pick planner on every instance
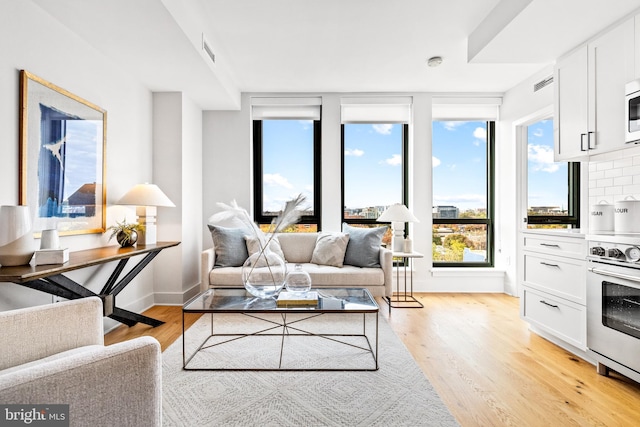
(601, 166)
(631, 189)
(612, 173)
(596, 175)
(606, 182)
(623, 180)
(622, 163)
(612, 191)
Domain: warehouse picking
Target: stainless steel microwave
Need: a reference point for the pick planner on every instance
(632, 112)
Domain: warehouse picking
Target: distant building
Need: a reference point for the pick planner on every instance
(446, 212)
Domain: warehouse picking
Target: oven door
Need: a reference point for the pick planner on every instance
(613, 313)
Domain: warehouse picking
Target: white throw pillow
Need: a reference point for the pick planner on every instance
(330, 249)
(253, 246)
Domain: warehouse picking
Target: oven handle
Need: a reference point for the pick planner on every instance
(623, 276)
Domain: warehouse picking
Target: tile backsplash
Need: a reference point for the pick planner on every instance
(615, 176)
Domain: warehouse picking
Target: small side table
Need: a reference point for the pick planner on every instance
(404, 299)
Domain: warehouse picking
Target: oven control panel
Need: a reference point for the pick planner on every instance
(615, 252)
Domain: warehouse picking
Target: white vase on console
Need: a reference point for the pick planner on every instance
(17, 244)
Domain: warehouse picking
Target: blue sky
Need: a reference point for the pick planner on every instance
(373, 167)
(459, 164)
(547, 180)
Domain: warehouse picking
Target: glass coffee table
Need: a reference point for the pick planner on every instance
(245, 333)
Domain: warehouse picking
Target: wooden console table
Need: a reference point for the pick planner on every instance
(50, 278)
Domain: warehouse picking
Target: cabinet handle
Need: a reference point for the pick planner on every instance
(582, 135)
(589, 140)
(550, 305)
(550, 245)
(549, 265)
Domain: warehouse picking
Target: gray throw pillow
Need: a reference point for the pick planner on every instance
(363, 249)
(229, 244)
(330, 249)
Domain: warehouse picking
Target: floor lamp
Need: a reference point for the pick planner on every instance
(397, 215)
(146, 197)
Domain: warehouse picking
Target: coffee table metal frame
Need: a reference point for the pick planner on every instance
(293, 328)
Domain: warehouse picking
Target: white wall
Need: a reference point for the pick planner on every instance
(30, 39)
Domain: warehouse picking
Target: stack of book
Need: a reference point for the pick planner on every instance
(51, 256)
(297, 299)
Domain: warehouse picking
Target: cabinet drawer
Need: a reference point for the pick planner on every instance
(566, 320)
(564, 277)
(570, 247)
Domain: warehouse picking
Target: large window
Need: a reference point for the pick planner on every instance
(553, 188)
(286, 163)
(374, 171)
(463, 193)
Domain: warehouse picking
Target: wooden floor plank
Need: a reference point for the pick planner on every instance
(483, 361)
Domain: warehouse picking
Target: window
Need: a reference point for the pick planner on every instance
(286, 163)
(463, 193)
(374, 171)
(553, 188)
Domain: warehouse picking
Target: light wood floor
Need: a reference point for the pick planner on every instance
(485, 364)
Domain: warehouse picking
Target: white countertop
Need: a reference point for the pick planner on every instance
(565, 232)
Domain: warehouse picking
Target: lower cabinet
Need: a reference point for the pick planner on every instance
(553, 291)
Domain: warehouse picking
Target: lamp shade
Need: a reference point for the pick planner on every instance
(146, 195)
(397, 213)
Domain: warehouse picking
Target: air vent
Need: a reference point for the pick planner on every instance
(542, 83)
(207, 48)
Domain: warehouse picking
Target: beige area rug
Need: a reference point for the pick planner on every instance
(398, 394)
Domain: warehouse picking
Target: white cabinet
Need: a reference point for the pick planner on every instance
(589, 94)
(553, 279)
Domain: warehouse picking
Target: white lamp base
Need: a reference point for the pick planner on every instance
(147, 218)
(397, 240)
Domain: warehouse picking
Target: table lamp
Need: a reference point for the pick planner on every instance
(146, 197)
(397, 215)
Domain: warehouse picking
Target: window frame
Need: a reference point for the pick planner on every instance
(489, 220)
(405, 177)
(258, 175)
(573, 176)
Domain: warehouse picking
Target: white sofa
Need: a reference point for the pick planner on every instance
(298, 249)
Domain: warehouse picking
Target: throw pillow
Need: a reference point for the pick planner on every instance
(363, 249)
(274, 246)
(230, 248)
(330, 249)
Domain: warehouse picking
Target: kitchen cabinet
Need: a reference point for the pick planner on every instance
(589, 94)
(553, 291)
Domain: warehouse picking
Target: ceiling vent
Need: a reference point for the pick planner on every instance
(207, 49)
(542, 83)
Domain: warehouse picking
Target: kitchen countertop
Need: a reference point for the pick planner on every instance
(563, 232)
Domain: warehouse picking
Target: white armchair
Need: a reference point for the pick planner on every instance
(55, 354)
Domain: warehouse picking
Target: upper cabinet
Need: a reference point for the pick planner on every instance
(589, 94)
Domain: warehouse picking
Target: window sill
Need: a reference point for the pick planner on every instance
(467, 272)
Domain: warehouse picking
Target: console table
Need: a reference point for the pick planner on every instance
(51, 278)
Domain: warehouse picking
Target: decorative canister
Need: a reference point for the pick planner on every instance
(627, 215)
(601, 217)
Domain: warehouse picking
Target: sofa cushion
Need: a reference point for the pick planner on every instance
(298, 247)
(229, 245)
(253, 246)
(330, 249)
(326, 275)
(363, 249)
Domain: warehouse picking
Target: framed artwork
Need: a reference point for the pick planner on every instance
(62, 158)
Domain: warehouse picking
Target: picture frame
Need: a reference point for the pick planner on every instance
(62, 158)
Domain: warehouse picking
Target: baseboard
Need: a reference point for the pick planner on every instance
(176, 298)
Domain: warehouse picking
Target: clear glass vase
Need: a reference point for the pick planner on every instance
(263, 274)
(298, 280)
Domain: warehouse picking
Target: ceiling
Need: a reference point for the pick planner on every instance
(333, 45)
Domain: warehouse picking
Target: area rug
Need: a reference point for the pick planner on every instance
(398, 394)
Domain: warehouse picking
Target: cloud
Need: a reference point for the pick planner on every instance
(383, 129)
(538, 133)
(435, 162)
(395, 160)
(353, 152)
(541, 158)
(275, 179)
(452, 125)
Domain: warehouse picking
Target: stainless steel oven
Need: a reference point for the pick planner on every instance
(632, 112)
(613, 304)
